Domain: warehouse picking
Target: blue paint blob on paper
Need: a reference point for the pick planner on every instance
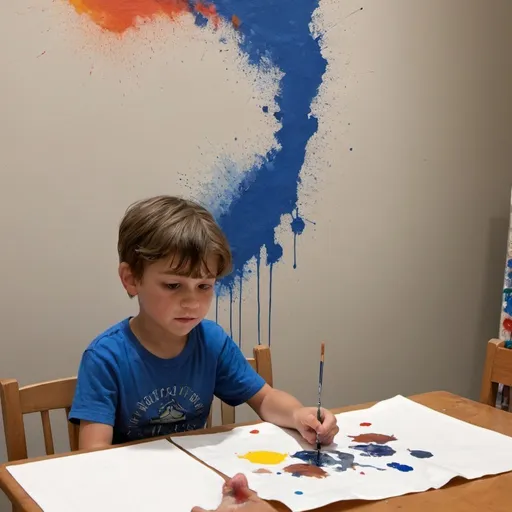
(299, 493)
(311, 457)
(339, 461)
(404, 468)
(509, 263)
(374, 450)
(421, 454)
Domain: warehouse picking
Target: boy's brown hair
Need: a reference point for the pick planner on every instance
(171, 227)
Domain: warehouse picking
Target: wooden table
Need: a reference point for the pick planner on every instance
(482, 495)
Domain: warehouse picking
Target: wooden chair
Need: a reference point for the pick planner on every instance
(43, 398)
(497, 370)
(262, 363)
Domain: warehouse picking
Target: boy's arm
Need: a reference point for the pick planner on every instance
(284, 410)
(94, 435)
(95, 402)
(275, 406)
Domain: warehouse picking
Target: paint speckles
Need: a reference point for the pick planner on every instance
(307, 470)
(421, 454)
(372, 438)
(254, 431)
(404, 468)
(119, 15)
(365, 424)
(264, 457)
(374, 450)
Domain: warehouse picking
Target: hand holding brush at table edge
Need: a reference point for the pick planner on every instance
(308, 425)
(236, 495)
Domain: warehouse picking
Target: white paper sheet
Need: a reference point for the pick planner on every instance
(147, 476)
(457, 448)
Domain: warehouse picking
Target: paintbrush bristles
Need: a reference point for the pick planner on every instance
(322, 352)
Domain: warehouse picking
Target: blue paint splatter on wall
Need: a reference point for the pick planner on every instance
(278, 31)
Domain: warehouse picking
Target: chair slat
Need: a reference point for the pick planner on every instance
(497, 370)
(502, 369)
(47, 433)
(264, 363)
(14, 427)
(47, 396)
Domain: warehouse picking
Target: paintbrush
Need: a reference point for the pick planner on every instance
(319, 413)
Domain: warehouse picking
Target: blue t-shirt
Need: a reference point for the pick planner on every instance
(121, 383)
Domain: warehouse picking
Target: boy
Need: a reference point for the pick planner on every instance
(157, 373)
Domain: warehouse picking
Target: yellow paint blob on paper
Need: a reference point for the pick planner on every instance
(263, 457)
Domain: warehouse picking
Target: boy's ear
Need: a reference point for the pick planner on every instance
(128, 279)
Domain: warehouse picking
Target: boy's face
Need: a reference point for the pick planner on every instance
(174, 303)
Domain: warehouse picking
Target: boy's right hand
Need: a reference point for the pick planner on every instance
(236, 494)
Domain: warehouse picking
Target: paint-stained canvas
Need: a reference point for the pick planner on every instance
(393, 448)
(506, 313)
(505, 331)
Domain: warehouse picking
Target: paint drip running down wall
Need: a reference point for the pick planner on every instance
(273, 34)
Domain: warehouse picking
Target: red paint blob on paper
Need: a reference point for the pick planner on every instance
(254, 432)
(373, 438)
(362, 473)
(365, 424)
(507, 324)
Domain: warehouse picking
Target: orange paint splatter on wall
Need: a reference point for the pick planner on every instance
(235, 20)
(120, 15)
(208, 11)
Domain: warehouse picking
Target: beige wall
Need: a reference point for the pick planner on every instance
(401, 275)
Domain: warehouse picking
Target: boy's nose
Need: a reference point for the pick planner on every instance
(190, 302)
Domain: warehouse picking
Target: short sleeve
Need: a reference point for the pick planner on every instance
(96, 392)
(236, 380)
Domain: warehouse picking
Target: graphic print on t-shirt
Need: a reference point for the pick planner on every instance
(166, 411)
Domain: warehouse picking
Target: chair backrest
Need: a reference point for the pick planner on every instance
(497, 370)
(36, 398)
(262, 363)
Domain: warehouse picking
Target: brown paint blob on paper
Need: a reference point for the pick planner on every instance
(306, 470)
(373, 438)
(263, 471)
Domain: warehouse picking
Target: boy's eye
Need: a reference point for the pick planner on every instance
(205, 286)
(173, 286)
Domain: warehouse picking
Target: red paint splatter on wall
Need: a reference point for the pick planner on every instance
(120, 15)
